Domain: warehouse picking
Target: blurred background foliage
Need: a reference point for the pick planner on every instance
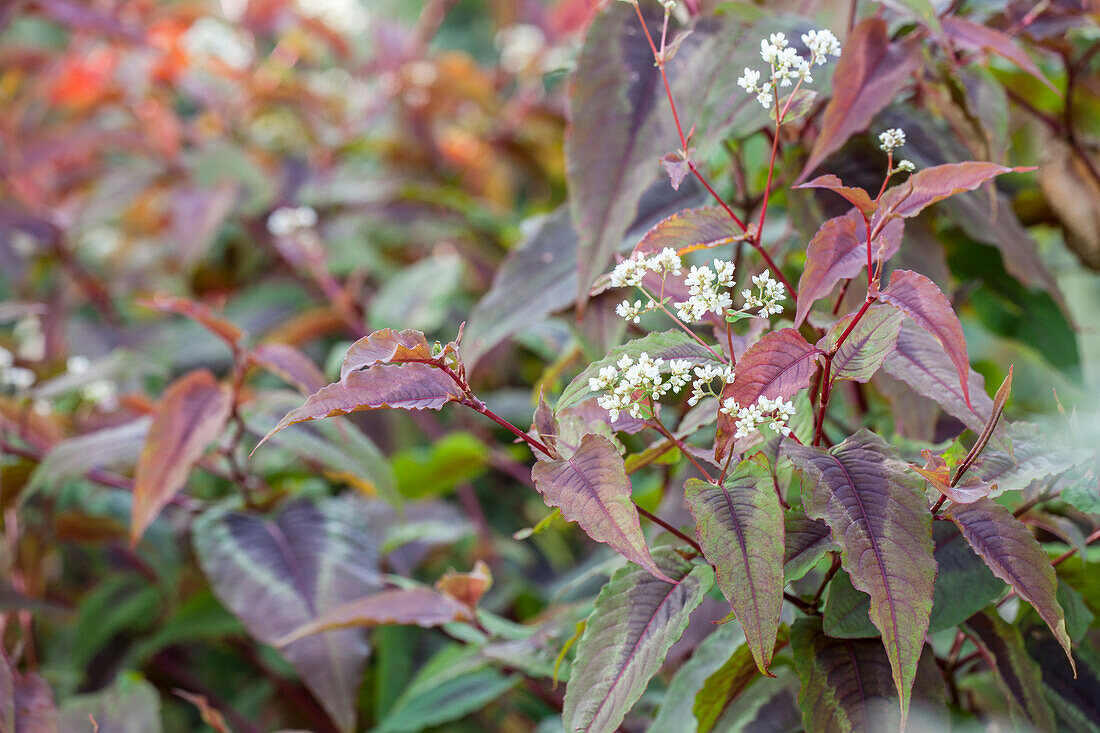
(316, 169)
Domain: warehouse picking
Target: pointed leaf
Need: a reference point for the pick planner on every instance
(198, 312)
(921, 299)
(637, 618)
(592, 489)
(978, 37)
(290, 364)
(727, 683)
(667, 345)
(129, 705)
(854, 195)
(837, 252)
(777, 367)
(190, 415)
(675, 713)
(111, 447)
(878, 516)
(1015, 556)
(920, 361)
(845, 684)
(399, 606)
(935, 472)
(690, 230)
(806, 542)
(739, 525)
(867, 346)
(383, 347)
(931, 185)
(279, 574)
(396, 386)
(614, 134)
(870, 73)
(1018, 675)
(467, 587)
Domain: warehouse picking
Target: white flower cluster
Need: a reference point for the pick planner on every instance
(345, 16)
(631, 383)
(99, 392)
(771, 293)
(287, 220)
(704, 375)
(891, 139)
(705, 291)
(15, 377)
(777, 413)
(905, 165)
(633, 311)
(786, 64)
(630, 271)
(211, 38)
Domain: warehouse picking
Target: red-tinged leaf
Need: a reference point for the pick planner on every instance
(870, 73)
(690, 230)
(856, 196)
(920, 361)
(676, 166)
(983, 38)
(466, 587)
(1014, 555)
(878, 516)
(288, 363)
(616, 131)
(636, 619)
(198, 214)
(777, 367)
(190, 415)
(1018, 675)
(805, 542)
(931, 185)
(383, 347)
(999, 401)
(32, 705)
(867, 346)
(846, 684)
(839, 251)
(592, 489)
(919, 298)
(936, 472)
(739, 525)
(400, 606)
(198, 312)
(385, 386)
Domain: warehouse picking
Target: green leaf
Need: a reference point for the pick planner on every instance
(675, 713)
(419, 295)
(278, 574)
(1018, 676)
(867, 346)
(636, 619)
(128, 705)
(728, 682)
(1011, 551)
(437, 469)
(879, 517)
(665, 345)
(846, 686)
(739, 525)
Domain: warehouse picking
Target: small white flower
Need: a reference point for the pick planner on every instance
(724, 271)
(17, 377)
(749, 79)
(668, 5)
(765, 99)
(906, 165)
(6, 358)
(664, 262)
(629, 272)
(286, 220)
(77, 364)
(630, 312)
(821, 43)
(891, 139)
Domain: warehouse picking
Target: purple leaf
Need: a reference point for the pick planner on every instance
(189, 416)
(846, 683)
(383, 347)
(983, 38)
(867, 346)
(777, 367)
(592, 489)
(290, 364)
(856, 196)
(636, 619)
(739, 525)
(805, 542)
(690, 230)
(279, 574)
(919, 298)
(676, 167)
(397, 386)
(920, 362)
(931, 185)
(1014, 555)
(839, 251)
(1018, 675)
(879, 517)
(870, 73)
(398, 606)
(614, 134)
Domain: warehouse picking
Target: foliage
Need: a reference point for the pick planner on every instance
(321, 329)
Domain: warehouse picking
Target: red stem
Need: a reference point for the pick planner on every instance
(826, 381)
